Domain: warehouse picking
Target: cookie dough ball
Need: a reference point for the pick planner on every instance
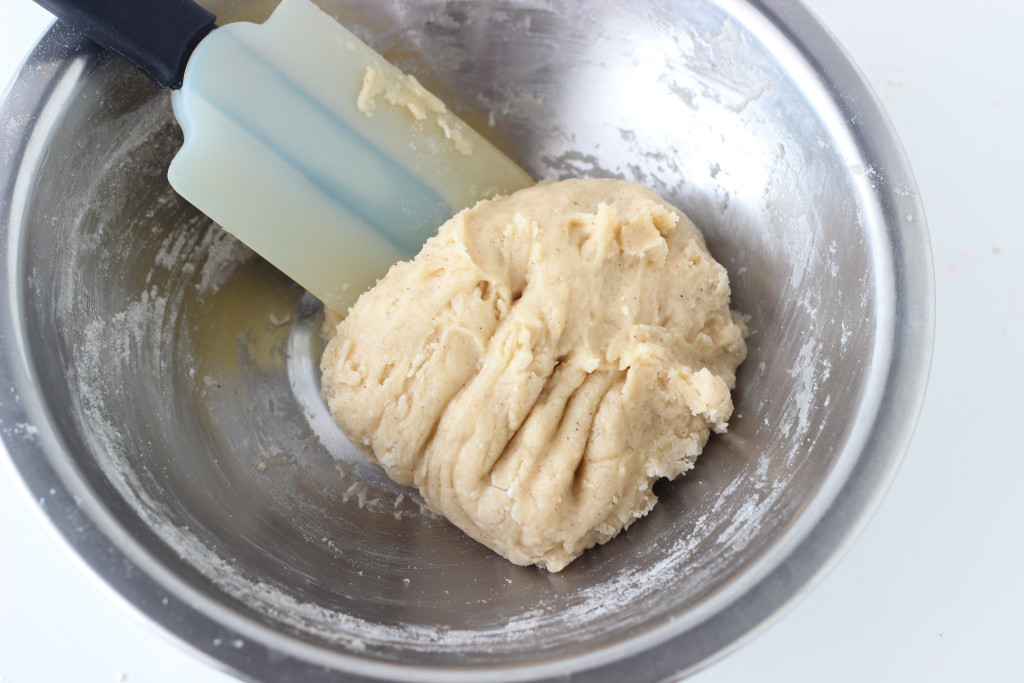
(541, 363)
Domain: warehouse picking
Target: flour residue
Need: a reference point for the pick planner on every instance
(728, 169)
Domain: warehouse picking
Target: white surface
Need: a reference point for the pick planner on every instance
(933, 591)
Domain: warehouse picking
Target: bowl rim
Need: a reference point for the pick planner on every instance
(777, 581)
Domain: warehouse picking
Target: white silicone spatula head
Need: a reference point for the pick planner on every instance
(299, 139)
(320, 155)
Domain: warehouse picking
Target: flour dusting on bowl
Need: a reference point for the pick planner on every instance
(167, 404)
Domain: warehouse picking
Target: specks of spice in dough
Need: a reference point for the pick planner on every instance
(541, 363)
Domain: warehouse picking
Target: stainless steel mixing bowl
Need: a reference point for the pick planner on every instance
(159, 384)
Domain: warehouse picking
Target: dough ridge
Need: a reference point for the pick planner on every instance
(543, 361)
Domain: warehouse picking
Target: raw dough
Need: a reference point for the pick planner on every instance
(541, 363)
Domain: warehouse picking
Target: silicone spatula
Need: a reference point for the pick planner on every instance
(300, 139)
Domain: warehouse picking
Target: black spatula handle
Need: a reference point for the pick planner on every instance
(157, 36)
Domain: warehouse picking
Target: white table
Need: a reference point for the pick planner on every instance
(934, 589)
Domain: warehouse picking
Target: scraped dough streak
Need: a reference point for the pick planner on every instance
(541, 363)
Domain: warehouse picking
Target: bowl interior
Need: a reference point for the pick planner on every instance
(180, 371)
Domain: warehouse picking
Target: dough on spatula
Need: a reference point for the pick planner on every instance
(541, 363)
